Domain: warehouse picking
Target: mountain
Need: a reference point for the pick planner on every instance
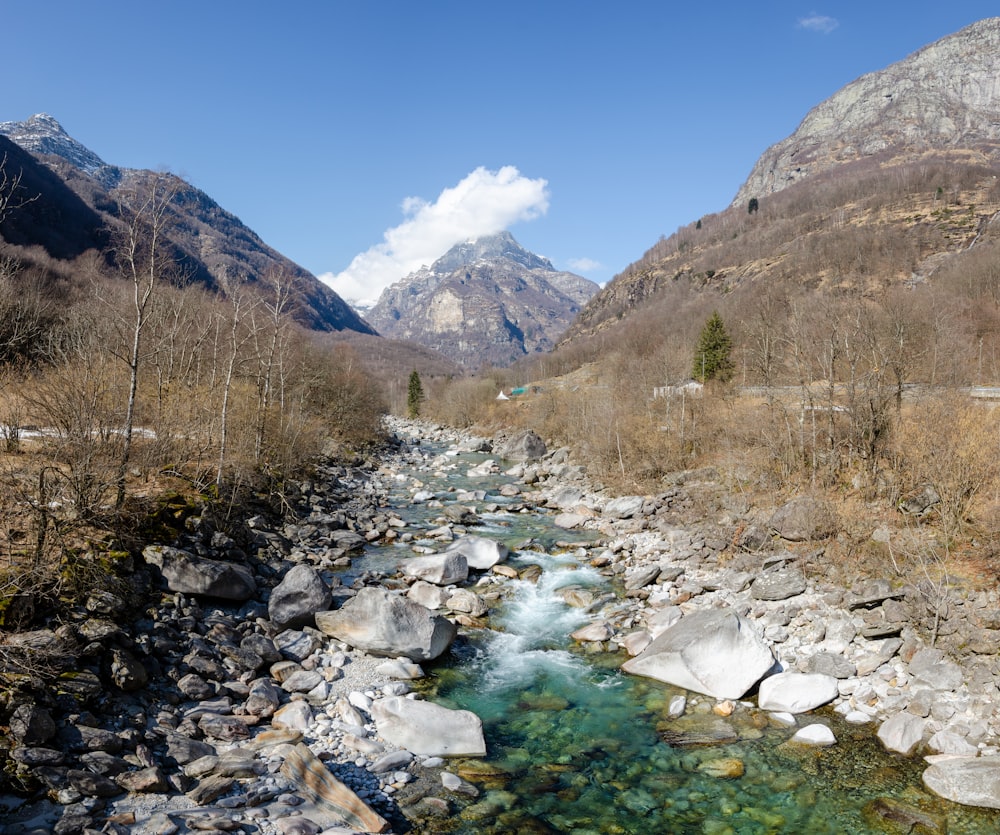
(74, 210)
(946, 95)
(893, 181)
(485, 301)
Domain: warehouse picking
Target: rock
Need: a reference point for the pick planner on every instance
(295, 644)
(427, 594)
(315, 782)
(127, 672)
(226, 728)
(295, 716)
(902, 733)
(522, 446)
(829, 664)
(480, 553)
(464, 600)
(930, 668)
(296, 599)
(264, 698)
(568, 521)
(803, 519)
(971, 781)
(624, 507)
(188, 574)
(384, 623)
(442, 569)
(796, 692)
(642, 577)
(949, 742)
(400, 668)
(723, 768)
(32, 725)
(816, 734)
(429, 729)
(597, 631)
(711, 651)
(636, 642)
(150, 779)
(778, 584)
(892, 816)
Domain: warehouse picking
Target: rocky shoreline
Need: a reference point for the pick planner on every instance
(248, 698)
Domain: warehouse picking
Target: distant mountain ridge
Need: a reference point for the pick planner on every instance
(78, 212)
(945, 95)
(485, 301)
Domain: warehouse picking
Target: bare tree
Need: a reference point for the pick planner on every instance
(143, 257)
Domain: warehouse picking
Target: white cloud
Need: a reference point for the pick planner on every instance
(585, 265)
(483, 203)
(819, 23)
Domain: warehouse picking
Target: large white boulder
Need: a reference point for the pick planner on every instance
(902, 733)
(479, 552)
(429, 729)
(713, 651)
(383, 623)
(442, 569)
(972, 781)
(796, 692)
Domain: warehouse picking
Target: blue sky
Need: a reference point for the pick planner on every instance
(362, 138)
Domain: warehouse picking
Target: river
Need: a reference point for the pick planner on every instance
(575, 746)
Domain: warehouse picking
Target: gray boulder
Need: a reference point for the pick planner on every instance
(429, 729)
(802, 519)
(382, 623)
(712, 651)
(624, 507)
(522, 446)
(778, 584)
(188, 574)
(480, 553)
(440, 569)
(296, 599)
(796, 692)
(972, 781)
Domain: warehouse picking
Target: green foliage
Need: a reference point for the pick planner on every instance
(753, 206)
(414, 395)
(712, 360)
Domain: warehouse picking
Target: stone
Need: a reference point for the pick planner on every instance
(802, 519)
(522, 446)
(226, 728)
(902, 733)
(427, 594)
(150, 779)
(444, 569)
(778, 584)
(597, 631)
(930, 668)
(723, 768)
(569, 521)
(711, 651)
(796, 692)
(400, 668)
(624, 507)
(426, 728)
(464, 600)
(264, 698)
(127, 672)
(295, 716)
(887, 814)
(295, 600)
(817, 734)
(382, 623)
(949, 742)
(315, 782)
(32, 725)
(480, 552)
(971, 781)
(188, 574)
(829, 664)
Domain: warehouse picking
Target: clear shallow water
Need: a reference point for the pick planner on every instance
(576, 747)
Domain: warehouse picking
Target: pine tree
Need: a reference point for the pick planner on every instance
(414, 395)
(712, 360)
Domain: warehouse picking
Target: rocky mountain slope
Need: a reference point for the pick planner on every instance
(487, 301)
(74, 211)
(889, 182)
(946, 95)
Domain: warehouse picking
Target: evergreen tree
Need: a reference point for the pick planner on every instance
(414, 395)
(753, 205)
(712, 360)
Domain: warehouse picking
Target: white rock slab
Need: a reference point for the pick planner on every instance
(817, 734)
(429, 729)
(797, 692)
(902, 733)
(480, 552)
(971, 781)
(711, 651)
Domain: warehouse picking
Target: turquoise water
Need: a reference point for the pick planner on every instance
(576, 747)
